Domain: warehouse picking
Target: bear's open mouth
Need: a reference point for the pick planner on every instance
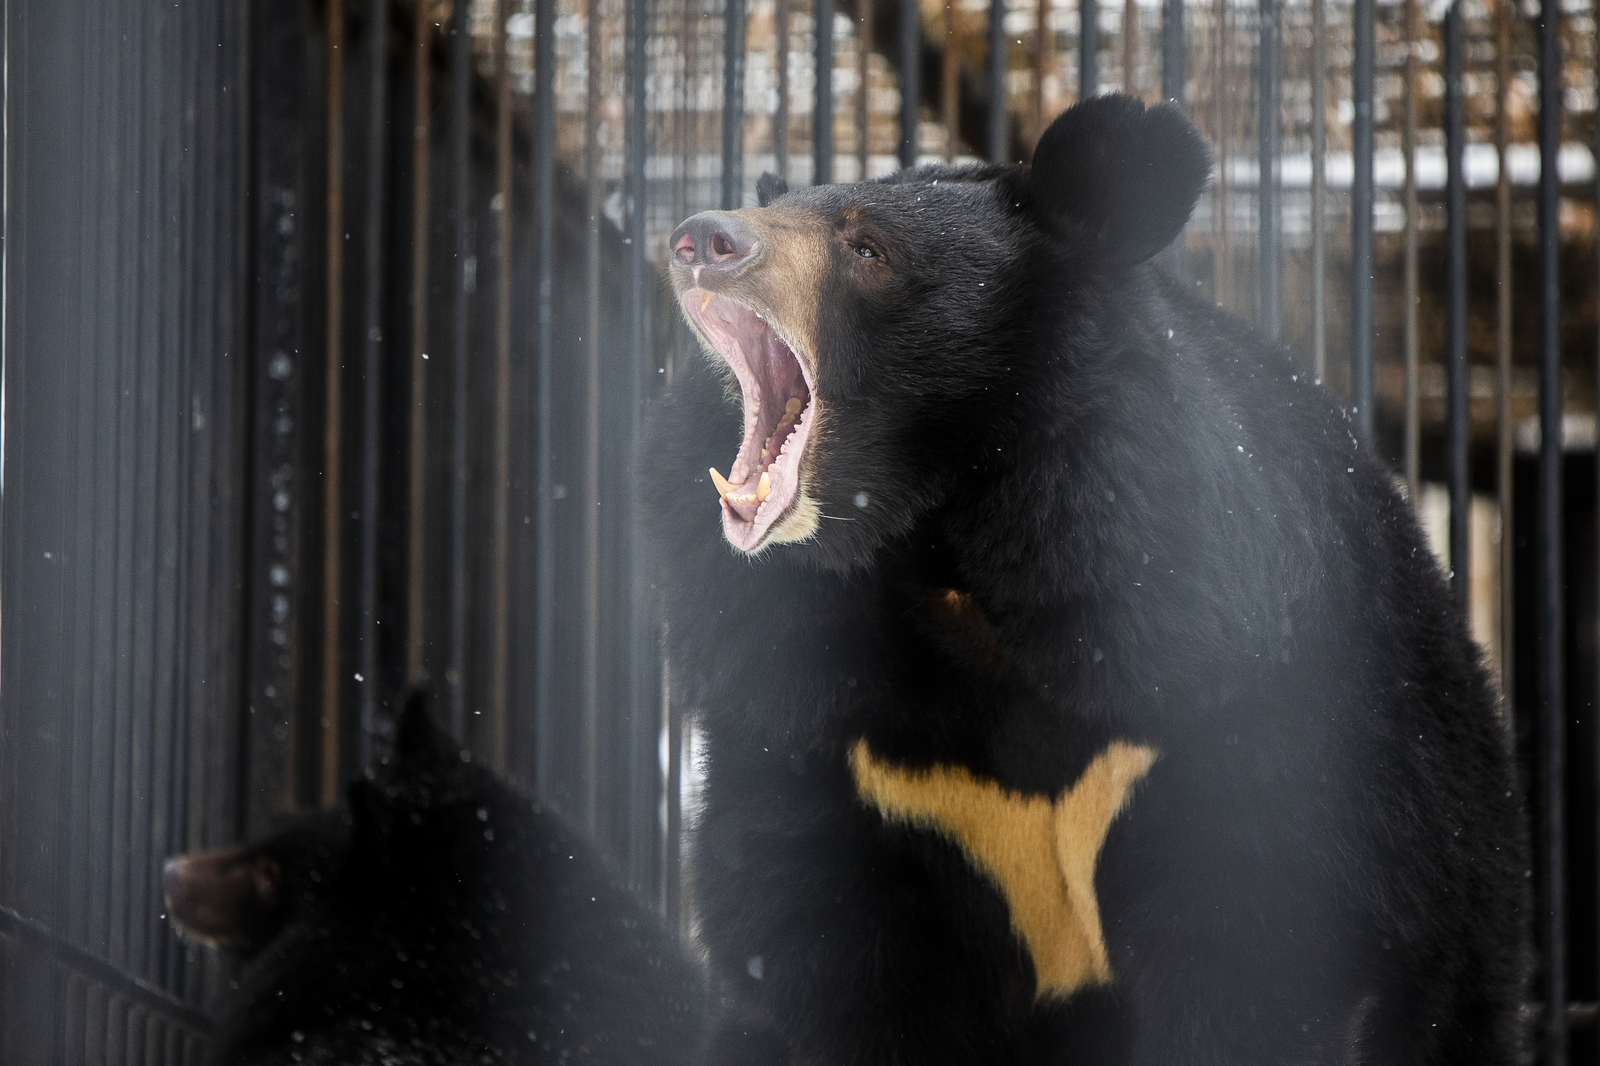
(779, 411)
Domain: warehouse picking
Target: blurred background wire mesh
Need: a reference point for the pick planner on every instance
(329, 329)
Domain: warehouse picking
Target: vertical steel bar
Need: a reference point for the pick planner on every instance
(1172, 51)
(590, 493)
(1043, 49)
(999, 55)
(1361, 78)
(1457, 425)
(688, 129)
(822, 107)
(1172, 89)
(910, 87)
(372, 269)
(1319, 192)
(462, 275)
(950, 85)
(333, 423)
(864, 41)
(645, 691)
(1088, 48)
(780, 118)
(417, 444)
(544, 173)
(1222, 248)
(733, 50)
(1130, 47)
(1502, 339)
(1552, 660)
(1413, 355)
(1268, 159)
(500, 535)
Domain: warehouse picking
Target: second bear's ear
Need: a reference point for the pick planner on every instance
(418, 742)
(1119, 177)
(769, 187)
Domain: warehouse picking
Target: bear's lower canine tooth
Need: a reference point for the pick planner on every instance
(763, 488)
(724, 486)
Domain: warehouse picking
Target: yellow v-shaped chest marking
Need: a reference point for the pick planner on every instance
(1040, 853)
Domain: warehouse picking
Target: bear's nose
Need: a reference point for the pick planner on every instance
(715, 239)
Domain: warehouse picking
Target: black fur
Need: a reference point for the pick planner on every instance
(446, 919)
(1176, 541)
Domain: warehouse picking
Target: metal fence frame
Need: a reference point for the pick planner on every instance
(340, 400)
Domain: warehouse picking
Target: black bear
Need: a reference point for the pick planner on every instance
(1074, 686)
(443, 919)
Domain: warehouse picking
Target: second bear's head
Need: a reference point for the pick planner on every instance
(890, 337)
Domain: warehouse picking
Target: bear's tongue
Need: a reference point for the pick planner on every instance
(773, 407)
(778, 411)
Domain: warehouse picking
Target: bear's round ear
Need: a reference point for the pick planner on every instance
(1118, 177)
(418, 742)
(769, 187)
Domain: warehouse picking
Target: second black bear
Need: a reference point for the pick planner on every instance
(1076, 687)
(443, 919)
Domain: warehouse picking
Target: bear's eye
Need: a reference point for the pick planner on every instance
(866, 251)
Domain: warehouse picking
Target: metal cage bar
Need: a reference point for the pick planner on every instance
(369, 742)
(1269, 162)
(333, 427)
(460, 356)
(999, 54)
(1456, 432)
(1410, 339)
(733, 52)
(1088, 48)
(822, 107)
(544, 176)
(1361, 203)
(1551, 591)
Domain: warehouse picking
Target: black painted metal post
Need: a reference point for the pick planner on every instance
(1361, 76)
(498, 734)
(461, 249)
(1319, 193)
(733, 105)
(644, 693)
(1502, 353)
(822, 106)
(417, 443)
(1088, 47)
(1552, 688)
(1172, 51)
(1172, 89)
(544, 165)
(910, 68)
(372, 281)
(865, 42)
(1269, 161)
(998, 65)
(1413, 348)
(1456, 310)
(587, 805)
(780, 114)
(333, 506)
